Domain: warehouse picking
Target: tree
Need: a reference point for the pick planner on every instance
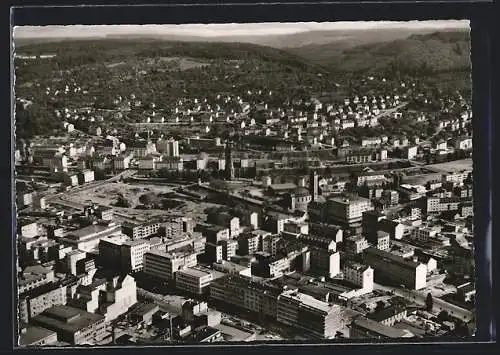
(443, 316)
(429, 302)
(122, 202)
(380, 306)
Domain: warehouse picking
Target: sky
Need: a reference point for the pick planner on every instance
(218, 30)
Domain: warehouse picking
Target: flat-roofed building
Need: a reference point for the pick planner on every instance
(246, 293)
(308, 314)
(249, 243)
(383, 240)
(139, 230)
(346, 212)
(132, 254)
(164, 265)
(34, 302)
(395, 269)
(73, 325)
(36, 336)
(231, 268)
(364, 328)
(33, 277)
(193, 280)
(87, 238)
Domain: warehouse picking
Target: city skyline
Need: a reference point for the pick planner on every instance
(179, 191)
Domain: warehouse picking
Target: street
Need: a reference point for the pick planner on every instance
(419, 298)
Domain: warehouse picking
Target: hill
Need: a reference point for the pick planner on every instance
(416, 54)
(154, 71)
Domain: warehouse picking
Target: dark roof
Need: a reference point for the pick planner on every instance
(386, 313)
(67, 318)
(41, 290)
(200, 335)
(144, 308)
(395, 259)
(33, 335)
(378, 328)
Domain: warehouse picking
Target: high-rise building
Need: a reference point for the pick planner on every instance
(305, 312)
(165, 265)
(172, 148)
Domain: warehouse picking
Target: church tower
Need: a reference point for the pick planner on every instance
(314, 185)
(229, 168)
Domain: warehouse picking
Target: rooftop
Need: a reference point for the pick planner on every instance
(396, 259)
(193, 271)
(67, 318)
(386, 313)
(32, 335)
(380, 329)
(309, 301)
(87, 232)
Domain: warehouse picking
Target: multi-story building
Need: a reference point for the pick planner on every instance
(410, 152)
(369, 178)
(467, 209)
(110, 253)
(73, 325)
(29, 230)
(172, 148)
(120, 295)
(356, 244)
(423, 234)
(173, 228)
(132, 254)
(456, 177)
(138, 231)
(193, 280)
(105, 213)
(34, 302)
(345, 211)
(294, 227)
(249, 243)
(275, 222)
(393, 228)
(229, 248)
(87, 238)
(164, 265)
(383, 240)
(359, 274)
(33, 277)
(241, 291)
(214, 252)
(110, 298)
(389, 316)
(231, 268)
(214, 234)
(391, 196)
(306, 313)
(395, 269)
(326, 262)
(446, 204)
(86, 176)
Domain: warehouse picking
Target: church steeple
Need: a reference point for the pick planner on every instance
(229, 168)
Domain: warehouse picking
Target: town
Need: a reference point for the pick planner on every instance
(249, 214)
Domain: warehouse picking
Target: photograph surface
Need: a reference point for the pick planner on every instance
(229, 183)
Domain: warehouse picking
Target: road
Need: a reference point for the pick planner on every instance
(419, 298)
